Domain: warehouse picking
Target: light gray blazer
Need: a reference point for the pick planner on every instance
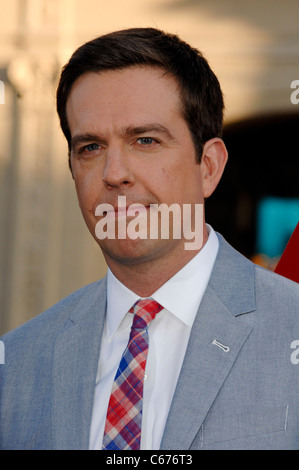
(239, 384)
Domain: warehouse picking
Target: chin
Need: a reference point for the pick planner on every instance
(132, 252)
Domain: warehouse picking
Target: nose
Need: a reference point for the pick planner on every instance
(117, 171)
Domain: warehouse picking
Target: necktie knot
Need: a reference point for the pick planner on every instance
(144, 311)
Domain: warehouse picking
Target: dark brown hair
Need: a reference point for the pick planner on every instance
(201, 95)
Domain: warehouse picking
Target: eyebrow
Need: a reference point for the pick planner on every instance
(129, 131)
(144, 129)
(82, 138)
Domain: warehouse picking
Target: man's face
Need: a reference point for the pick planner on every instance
(129, 139)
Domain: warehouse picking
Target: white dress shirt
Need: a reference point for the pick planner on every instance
(168, 338)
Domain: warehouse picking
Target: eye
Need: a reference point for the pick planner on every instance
(87, 150)
(146, 141)
(91, 147)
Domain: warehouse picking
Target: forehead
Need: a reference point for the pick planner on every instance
(145, 91)
(141, 75)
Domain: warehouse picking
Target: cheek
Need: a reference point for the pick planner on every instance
(162, 183)
(87, 193)
(167, 183)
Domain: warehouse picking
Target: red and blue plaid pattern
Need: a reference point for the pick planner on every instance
(124, 415)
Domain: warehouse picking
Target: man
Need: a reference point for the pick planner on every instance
(142, 114)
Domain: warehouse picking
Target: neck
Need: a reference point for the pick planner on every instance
(145, 278)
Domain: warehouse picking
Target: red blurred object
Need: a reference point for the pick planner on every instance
(288, 265)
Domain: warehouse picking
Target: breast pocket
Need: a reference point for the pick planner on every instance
(221, 428)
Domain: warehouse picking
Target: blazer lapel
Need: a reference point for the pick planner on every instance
(216, 338)
(75, 365)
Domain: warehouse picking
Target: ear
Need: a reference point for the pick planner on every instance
(213, 161)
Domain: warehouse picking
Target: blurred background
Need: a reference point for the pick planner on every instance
(46, 252)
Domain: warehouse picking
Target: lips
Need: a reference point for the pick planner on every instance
(128, 211)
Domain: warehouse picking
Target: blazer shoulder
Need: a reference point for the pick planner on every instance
(270, 278)
(48, 322)
(277, 290)
(243, 285)
(236, 265)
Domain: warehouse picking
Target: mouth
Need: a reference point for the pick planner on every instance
(129, 211)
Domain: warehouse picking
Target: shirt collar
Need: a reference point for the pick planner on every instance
(119, 301)
(180, 295)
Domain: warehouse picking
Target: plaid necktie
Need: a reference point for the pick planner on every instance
(124, 415)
